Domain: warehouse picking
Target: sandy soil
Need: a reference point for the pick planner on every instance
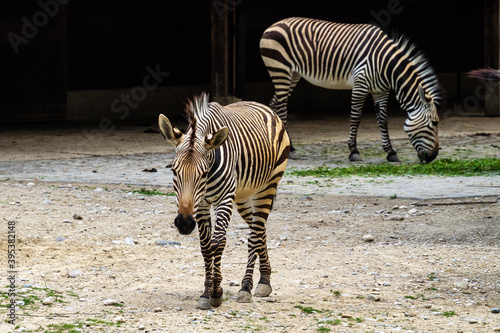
(432, 265)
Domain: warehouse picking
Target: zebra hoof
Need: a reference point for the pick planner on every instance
(204, 304)
(216, 301)
(244, 296)
(392, 157)
(263, 290)
(355, 157)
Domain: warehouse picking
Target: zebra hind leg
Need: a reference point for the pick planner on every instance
(256, 244)
(264, 286)
(359, 93)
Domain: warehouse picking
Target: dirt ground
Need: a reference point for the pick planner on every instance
(428, 265)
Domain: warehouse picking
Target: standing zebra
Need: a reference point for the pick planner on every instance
(229, 154)
(359, 57)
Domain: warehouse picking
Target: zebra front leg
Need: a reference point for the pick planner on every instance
(223, 213)
(205, 232)
(380, 101)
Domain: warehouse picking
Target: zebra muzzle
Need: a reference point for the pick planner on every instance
(185, 224)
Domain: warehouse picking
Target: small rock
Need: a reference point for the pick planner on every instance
(77, 217)
(75, 273)
(495, 310)
(283, 238)
(368, 238)
(270, 299)
(158, 310)
(412, 211)
(60, 239)
(374, 298)
(119, 319)
(172, 243)
(473, 321)
(234, 283)
(141, 198)
(30, 184)
(66, 221)
(161, 242)
(346, 211)
(47, 202)
(129, 241)
(48, 301)
(380, 211)
(115, 242)
(464, 284)
(410, 314)
(110, 302)
(141, 327)
(345, 315)
(178, 308)
(306, 197)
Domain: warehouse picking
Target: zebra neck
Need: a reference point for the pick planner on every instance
(405, 80)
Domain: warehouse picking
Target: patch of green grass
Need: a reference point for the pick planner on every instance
(307, 309)
(323, 329)
(440, 167)
(336, 293)
(433, 276)
(60, 328)
(449, 313)
(145, 191)
(410, 297)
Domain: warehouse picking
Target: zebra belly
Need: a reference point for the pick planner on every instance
(342, 84)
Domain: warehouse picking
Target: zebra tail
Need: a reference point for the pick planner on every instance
(488, 74)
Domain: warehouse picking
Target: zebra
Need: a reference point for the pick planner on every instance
(234, 154)
(363, 58)
(488, 74)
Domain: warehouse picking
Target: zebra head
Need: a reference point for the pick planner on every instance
(422, 127)
(190, 167)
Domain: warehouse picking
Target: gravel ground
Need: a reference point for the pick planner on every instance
(348, 255)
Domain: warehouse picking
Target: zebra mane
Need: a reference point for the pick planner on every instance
(194, 110)
(425, 70)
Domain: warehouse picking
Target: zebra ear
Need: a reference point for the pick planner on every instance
(426, 98)
(171, 134)
(214, 141)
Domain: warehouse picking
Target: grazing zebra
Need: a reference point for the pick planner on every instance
(229, 154)
(359, 57)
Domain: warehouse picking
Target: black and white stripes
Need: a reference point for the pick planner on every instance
(233, 154)
(359, 57)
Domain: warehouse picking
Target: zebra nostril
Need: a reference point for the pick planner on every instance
(435, 123)
(185, 224)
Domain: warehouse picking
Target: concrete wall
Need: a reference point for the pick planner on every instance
(139, 103)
